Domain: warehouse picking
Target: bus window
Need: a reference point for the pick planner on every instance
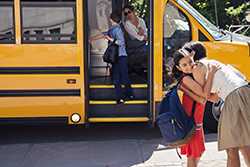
(177, 31)
(48, 22)
(6, 22)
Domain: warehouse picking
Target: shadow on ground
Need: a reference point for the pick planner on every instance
(12, 134)
(109, 145)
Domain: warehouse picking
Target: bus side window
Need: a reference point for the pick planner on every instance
(48, 21)
(7, 22)
(176, 32)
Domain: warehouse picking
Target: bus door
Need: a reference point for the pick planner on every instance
(101, 103)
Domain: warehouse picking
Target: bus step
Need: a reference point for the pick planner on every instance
(110, 109)
(124, 119)
(103, 92)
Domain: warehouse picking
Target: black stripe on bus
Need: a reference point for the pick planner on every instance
(34, 121)
(39, 70)
(40, 92)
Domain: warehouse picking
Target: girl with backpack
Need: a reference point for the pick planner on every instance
(182, 71)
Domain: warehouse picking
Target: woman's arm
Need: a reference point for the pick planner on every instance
(143, 25)
(131, 30)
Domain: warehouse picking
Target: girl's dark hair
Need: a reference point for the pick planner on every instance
(130, 7)
(198, 47)
(116, 17)
(177, 74)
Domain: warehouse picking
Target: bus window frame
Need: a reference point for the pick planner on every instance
(49, 4)
(185, 15)
(199, 22)
(10, 4)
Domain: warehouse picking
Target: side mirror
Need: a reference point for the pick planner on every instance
(248, 15)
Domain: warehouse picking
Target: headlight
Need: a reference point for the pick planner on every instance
(75, 118)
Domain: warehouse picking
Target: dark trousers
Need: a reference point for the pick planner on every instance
(120, 76)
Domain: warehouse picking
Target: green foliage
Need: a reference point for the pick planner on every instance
(229, 12)
(141, 6)
(237, 14)
(206, 9)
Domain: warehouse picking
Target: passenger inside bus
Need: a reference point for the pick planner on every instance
(136, 36)
(120, 69)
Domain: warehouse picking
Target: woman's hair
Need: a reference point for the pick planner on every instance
(116, 17)
(177, 74)
(198, 47)
(130, 7)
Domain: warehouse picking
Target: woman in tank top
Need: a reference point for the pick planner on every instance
(234, 123)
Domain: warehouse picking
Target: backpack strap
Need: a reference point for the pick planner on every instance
(194, 102)
(178, 153)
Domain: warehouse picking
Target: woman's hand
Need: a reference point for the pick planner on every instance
(141, 31)
(213, 68)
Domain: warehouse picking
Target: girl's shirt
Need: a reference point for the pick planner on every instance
(116, 33)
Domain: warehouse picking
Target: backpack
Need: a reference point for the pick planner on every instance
(175, 125)
(111, 53)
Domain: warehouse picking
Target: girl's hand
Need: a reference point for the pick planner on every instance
(213, 97)
(108, 38)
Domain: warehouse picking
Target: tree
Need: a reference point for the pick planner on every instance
(142, 8)
(230, 12)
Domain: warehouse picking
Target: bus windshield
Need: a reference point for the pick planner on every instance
(212, 29)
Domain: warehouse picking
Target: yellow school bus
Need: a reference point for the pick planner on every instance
(50, 72)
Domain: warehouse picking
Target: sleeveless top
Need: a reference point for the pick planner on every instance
(226, 79)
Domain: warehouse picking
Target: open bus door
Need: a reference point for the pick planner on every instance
(101, 105)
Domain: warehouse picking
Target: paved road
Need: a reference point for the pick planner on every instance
(110, 146)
